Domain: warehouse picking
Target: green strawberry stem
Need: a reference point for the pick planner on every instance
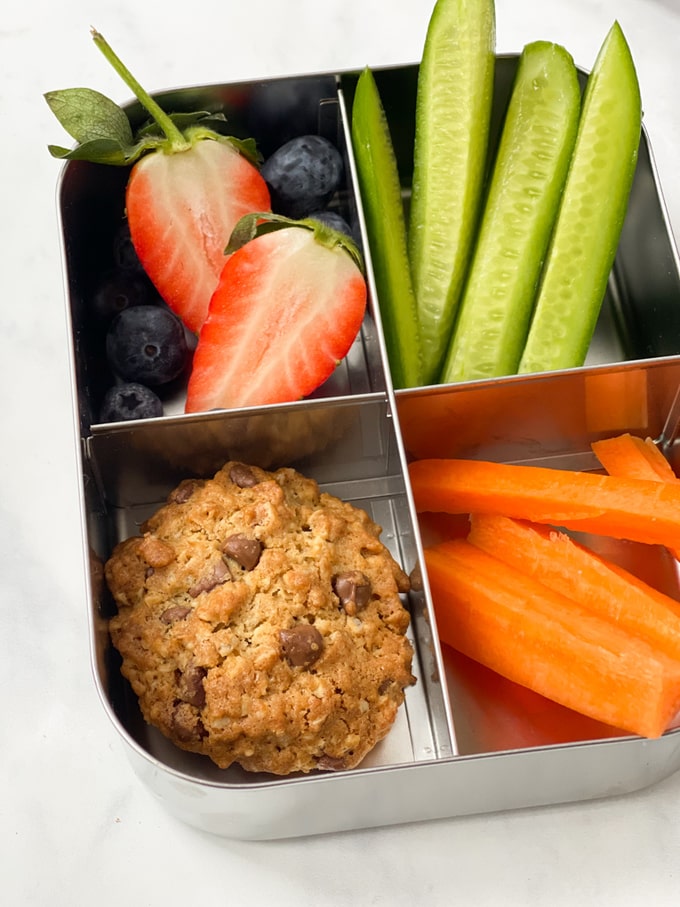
(175, 138)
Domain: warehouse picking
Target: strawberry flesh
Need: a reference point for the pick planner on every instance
(181, 210)
(286, 310)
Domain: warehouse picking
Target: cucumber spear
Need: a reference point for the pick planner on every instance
(591, 215)
(523, 199)
(383, 207)
(453, 111)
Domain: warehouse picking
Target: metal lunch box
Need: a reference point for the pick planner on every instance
(465, 741)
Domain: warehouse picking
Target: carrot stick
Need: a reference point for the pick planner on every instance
(493, 713)
(628, 455)
(534, 636)
(556, 560)
(636, 509)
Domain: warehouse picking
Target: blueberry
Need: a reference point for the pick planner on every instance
(303, 175)
(147, 344)
(129, 401)
(124, 253)
(120, 290)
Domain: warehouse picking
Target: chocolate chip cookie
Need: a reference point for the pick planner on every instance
(260, 622)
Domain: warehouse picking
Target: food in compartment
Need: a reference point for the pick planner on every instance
(147, 344)
(260, 622)
(592, 210)
(531, 634)
(615, 506)
(451, 136)
(190, 184)
(572, 569)
(518, 215)
(511, 242)
(383, 208)
(128, 401)
(513, 589)
(629, 455)
(287, 308)
(177, 219)
(303, 175)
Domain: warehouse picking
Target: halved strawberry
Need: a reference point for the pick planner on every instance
(181, 209)
(287, 308)
(188, 186)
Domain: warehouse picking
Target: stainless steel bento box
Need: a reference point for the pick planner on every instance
(464, 742)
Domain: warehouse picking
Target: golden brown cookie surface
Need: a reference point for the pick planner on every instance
(260, 623)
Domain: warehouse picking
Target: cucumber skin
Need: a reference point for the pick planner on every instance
(526, 184)
(386, 227)
(584, 243)
(453, 111)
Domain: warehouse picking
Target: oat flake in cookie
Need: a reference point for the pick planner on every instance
(260, 623)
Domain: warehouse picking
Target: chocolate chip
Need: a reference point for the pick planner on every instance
(184, 491)
(302, 645)
(246, 552)
(219, 574)
(176, 612)
(190, 685)
(243, 476)
(353, 588)
(186, 725)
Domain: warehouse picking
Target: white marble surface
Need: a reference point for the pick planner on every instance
(76, 826)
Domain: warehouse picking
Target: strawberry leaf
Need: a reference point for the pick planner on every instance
(257, 224)
(247, 147)
(103, 131)
(183, 121)
(105, 151)
(88, 115)
(99, 151)
(253, 225)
